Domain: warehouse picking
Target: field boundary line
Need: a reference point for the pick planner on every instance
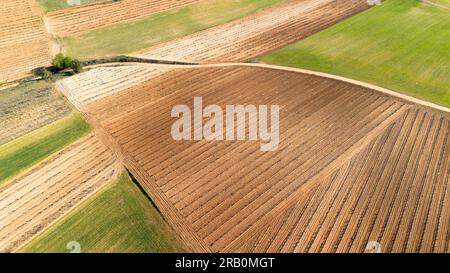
(328, 170)
(66, 213)
(431, 3)
(380, 89)
(48, 222)
(359, 83)
(39, 165)
(170, 214)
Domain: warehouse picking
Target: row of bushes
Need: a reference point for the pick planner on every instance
(128, 59)
(61, 64)
(66, 66)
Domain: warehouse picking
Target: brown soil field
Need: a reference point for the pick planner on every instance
(102, 82)
(32, 202)
(24, 43)
(354, 165)
(83, 18)
(257, 34)
(239, 40)
(29, 106)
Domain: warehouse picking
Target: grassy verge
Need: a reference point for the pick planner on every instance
(445, 3)
(117, 219)
(401, 45)
(24, 152)
(52, 5)
(143, 33)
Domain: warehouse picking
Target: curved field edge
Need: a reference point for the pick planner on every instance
(24, 152)
(409, 55)
(119, 218)
(146, 32)
(336, 121)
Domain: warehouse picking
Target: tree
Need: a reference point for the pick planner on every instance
(62, 62)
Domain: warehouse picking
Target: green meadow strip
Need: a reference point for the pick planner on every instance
(24, 152)
(402, 45)
(119, 218)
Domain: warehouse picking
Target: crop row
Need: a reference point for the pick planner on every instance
(35, 200)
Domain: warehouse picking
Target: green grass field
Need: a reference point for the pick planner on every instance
(24, 152)
(161, 27)
(117, 219)
(401, 45)
(441, 2)
(51, 5)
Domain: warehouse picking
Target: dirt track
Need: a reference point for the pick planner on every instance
(118, 72)
(239, 40)
(38, 198)
(352, 163)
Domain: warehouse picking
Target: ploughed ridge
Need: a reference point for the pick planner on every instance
(24, 41)
(354, 165)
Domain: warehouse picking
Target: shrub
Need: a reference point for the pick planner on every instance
(76, 66)
(46, 75)
(62, 62)
(43, 72)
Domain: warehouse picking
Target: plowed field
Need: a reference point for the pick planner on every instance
(28, 107)
(354, 165)
(24, 42)
(257, 34)
(33, 201)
